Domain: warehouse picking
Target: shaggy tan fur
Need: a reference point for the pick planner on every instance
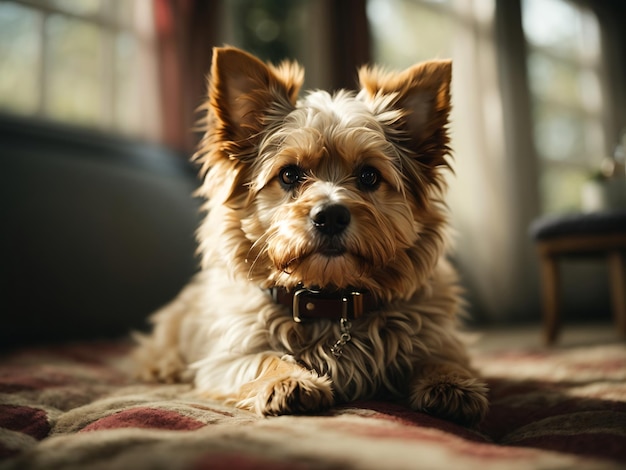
(270, 165)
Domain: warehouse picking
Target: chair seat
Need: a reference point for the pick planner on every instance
(581, 235)
(593, 223)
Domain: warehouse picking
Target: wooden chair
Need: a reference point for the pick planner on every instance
(602, 233)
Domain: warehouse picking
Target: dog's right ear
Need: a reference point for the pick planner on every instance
(245, 96)
(244, 92)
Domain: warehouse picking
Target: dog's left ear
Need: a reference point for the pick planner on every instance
(421, 93)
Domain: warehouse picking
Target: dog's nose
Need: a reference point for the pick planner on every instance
(330, 219)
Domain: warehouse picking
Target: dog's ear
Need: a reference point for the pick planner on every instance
(243, 91)
(422, 95)
(245, 96)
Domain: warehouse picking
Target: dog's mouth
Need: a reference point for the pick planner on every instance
(333, 252)
(332, 248)
(323, 263)
(329, 249)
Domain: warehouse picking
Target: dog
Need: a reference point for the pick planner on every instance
(324, 276)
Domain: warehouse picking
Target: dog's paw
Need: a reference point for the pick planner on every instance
(286, 388)
(453, 396)
(292, 395)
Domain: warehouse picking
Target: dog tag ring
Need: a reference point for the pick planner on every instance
(337, 349)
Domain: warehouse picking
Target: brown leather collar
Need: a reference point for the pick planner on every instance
(306, 304)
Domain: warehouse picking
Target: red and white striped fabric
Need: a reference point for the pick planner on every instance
(74, 407)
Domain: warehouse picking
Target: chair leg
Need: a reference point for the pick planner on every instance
(551, 298)
(617, 274)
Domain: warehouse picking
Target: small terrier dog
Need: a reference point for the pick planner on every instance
(323, 277)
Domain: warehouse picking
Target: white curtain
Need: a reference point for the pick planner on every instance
(493, 195)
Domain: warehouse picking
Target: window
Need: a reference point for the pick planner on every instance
(427, 26)
(83, 62)
(275, 30)
(563, 64)
(270, 29)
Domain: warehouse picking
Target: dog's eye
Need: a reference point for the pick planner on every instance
(290, 176)
(369, 178)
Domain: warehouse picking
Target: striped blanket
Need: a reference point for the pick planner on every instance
(75, 407)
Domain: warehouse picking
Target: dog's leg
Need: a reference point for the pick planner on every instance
(158, 356)
(448, 390)
(284, 387)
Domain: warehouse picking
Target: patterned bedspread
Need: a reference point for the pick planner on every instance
(74, 407)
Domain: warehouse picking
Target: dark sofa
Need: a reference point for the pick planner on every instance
(96, 231)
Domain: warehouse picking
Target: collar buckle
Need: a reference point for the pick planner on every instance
(309, 305)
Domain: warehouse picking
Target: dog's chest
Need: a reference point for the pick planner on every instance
(365, 356)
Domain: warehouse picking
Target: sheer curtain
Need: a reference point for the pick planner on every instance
(493, 191)
(494, 196)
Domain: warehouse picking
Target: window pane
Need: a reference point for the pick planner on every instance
(554, 24)
(553, 79)
(590, 91)
(395, 24)
(19, 58)
(561, 188)
(79, 7)
(564, 82)
(127, 106)
(563, 70)
(74, 70)
(559, 134)
(124, 10)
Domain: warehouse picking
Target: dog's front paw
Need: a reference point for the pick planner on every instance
(286, 388)
(450, 394)
(291, 395)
